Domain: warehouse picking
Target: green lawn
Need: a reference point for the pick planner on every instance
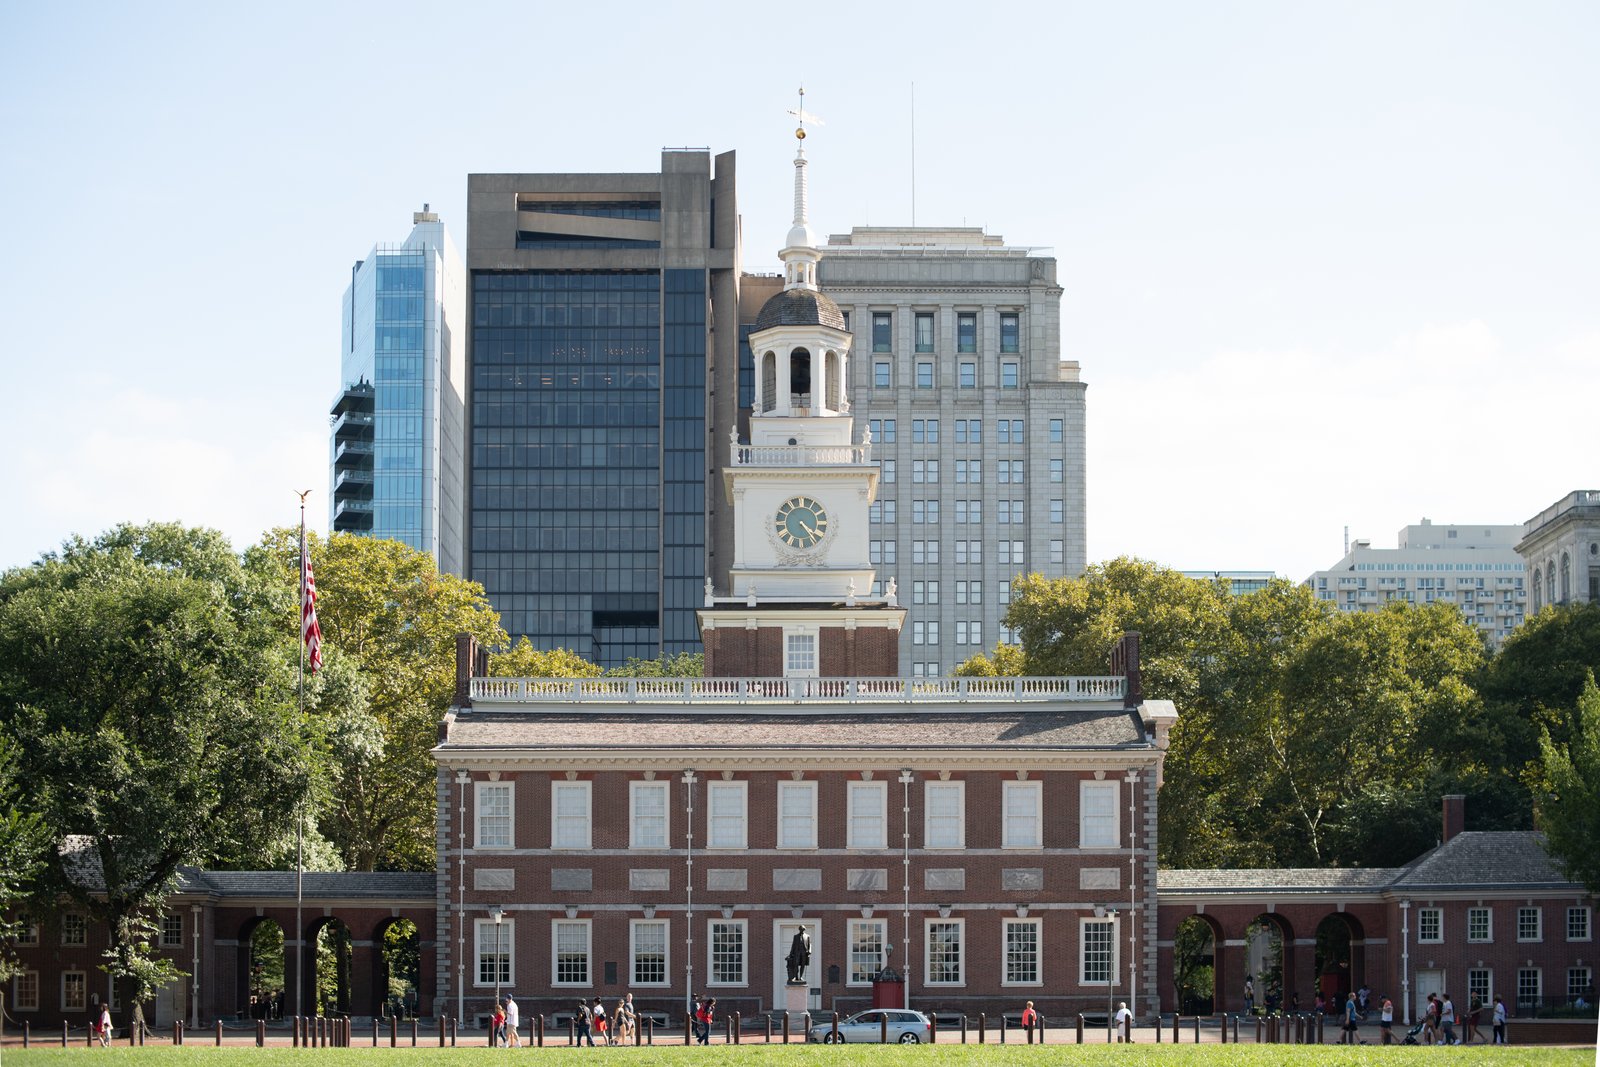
(943, 1055)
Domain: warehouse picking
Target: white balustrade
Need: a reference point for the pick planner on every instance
(711, 691)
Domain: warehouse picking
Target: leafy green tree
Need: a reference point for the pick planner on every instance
(522, 660)
(23, 840)
(1569, 811)
(681, 665)
(392, 618)
(1008, 661)
(144, 673)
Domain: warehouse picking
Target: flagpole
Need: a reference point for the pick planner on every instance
(300, 819)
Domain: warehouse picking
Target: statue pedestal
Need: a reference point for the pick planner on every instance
(796, 1002)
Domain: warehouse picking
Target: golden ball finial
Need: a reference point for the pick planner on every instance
(800, 133)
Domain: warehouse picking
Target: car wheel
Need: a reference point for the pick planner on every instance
(830, 1037)
(910, 1038)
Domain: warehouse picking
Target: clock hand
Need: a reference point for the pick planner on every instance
(807, 528)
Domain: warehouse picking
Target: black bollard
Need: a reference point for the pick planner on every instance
(538, 1031)
(219, 1033)
(983, 1027)
(1197, 1029)
(688, 1029)
(66, 1030)
(963, 1028)
(452, 1031)
(261, 1033)
(933, 1027)
(441, 1031)
(1080, 1028)
(733, 1029)
(413, 1031)
(394, 1031)
(883, 1029)
(785, 1028)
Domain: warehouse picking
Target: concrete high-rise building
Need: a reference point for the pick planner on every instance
(1561, 547)
(976, 420)
(1474, 567)
(596, 301)
(396, 443)
(1240, 583)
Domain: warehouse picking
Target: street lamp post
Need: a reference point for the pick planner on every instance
(497, 913)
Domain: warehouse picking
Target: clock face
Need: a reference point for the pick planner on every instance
(801, 522)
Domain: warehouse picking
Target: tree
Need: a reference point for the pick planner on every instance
(681, 665)
(1009, 661)
(391, 619)
(23, 840)
(145, 674)
(522, 660)
(1569, 811)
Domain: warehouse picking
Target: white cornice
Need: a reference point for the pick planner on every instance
(779, 615)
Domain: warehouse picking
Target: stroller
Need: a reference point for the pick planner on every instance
(1414, 1035)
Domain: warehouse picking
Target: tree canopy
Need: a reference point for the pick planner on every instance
(1569, 808)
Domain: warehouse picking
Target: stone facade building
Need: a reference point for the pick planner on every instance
(1561, 547)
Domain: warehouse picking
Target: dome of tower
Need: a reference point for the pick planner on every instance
(800, 307)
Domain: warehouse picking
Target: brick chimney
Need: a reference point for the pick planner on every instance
(472, 661)
(1455, 816)
(1125, 661)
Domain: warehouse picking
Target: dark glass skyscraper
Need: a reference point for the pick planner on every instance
(593, 300)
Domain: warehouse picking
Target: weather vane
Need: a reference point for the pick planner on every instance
(804, 116)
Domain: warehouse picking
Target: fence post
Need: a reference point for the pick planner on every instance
(983, 1027)
(769, 1027)
(1176, 1018)
(25, 1034)
(441, 1031)
(1223, 1029)
(1197, 1029)
(785, 1028)
(1321, 1021)
(1080, 1028)
(1127, 1030)
(688, 1028)
(735, 1028)
(394, 1031)
(1002, 1028)
(219, 1033)
(835, 1028)
(650, 1031)
(538, 1030)
(883, 1029)
(177, 1032)
(933, 1028)
(1235, 1029)
(963, 1028)
(453, 1031)
(413, 1031)
(66, 1027)
(261, 1033)
(1038, 1023)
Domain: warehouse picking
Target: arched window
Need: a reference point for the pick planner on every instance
(1550, 581)
(1566, 578)
(769, 381)
(1538, 593)
(799, 378)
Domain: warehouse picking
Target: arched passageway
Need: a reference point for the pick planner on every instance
(1340, 959)
(1269, 962)
(1196, 965)
(263, 971)
(329, 968)
(398, 962)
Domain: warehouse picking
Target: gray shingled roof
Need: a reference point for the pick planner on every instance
(384, 884)
(611, 730)
(800, 307)
(1515, 857)
(1287, 879)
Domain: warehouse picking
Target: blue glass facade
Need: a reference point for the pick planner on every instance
(577, 379)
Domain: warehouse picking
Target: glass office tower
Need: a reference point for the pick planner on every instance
(591, 345)
(396, 442)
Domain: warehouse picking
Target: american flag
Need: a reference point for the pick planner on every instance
(310, 632)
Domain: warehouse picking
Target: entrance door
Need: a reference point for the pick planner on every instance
(783, 931)
(1427, 982)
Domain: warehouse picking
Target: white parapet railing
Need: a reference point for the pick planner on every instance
(800, 455)
(710, 691)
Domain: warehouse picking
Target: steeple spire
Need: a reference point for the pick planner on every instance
(800, 253)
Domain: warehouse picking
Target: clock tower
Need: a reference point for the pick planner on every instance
(798, 600)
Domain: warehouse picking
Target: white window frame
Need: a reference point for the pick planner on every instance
(1588, 924)
(1092, 834)
(634, 925)
(805, 794)
(1437, 914)
(638, 840)
(1488, 926)
(1084, 922)
(31, 978)
(169, 936)
(1030, 824)
(556, 928)
(74, 929)
(1538, 925)
(741, 790)
(795, 640)
(1007, 923)
(478, 791)
(856, 805)
(743, 926)
(1586, 987)
(960, 926)
(860, 979)
(929, 791)
(508, 939)
(571, 843)
(1538, 982)
(27, 933)
(1488, 987)
(82, 1003)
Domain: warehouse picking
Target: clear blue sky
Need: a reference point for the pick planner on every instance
(1324, 264)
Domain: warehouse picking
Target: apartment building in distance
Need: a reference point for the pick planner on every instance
(975, 419)
(1240, 583)
(1561, 547)
(594, 302)
(395, 444)
(1474, 567)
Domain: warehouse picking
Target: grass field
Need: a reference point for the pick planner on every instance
(827, 1056)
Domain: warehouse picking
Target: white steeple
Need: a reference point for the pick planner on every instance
(800, 254)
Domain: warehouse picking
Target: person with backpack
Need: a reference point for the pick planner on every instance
(497, 1026)
(703, 1018)
(581, 1020)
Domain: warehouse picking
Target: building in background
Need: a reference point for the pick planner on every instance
(1239, 582)
(396, 441)
(1561, 548)
(976, 421)
(1474, 567)
(595, 300)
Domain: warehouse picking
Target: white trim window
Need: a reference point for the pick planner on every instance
(1578, 924)
(726, 822)
(944, 961)
(25, 991)
(1097, 953)
(171, 930)
(944, 819)
(74, 929)
(1430, 926)
(797, 814)
(1480, 984)
(1480, 925)
(1022, 955)
(867, 805)
(1098, 822)
(1023, 820)
(493, 804)
(648, 945)
(1580, 983)
(649, 814)
(1530, 987)
(800, 652)
(27, 932)
(570, 807)
(74, 991)
(495, 944)
(867, 940)
(725, 951)
(570, 941)
(1530, 924)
